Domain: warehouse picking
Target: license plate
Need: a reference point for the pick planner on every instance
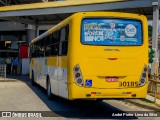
(111, 79)
(128, 84)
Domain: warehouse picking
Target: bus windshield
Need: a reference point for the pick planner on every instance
(111, 32)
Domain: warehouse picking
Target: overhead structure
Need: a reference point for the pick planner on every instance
(71, 6)
(14, 2)
(55, 11)
(51, 12)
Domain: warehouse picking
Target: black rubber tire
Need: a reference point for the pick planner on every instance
(99, 100)
(32, 79)
(49, 94)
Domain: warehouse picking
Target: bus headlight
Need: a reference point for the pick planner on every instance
(143, 77)
(78, 76)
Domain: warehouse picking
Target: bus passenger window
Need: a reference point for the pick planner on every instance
(37, 49)
(54, 49)
(64, 47)
(42, 51)
(36, 52)
(47, 41)
(42, 42)
(64, 40)
(47, 50)
(40, 47)
(63, 34)
(55, 37)
(32, 53)
(67, 32)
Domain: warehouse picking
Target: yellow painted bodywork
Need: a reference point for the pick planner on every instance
(94, 62)
(54, 4)
(54, 61)
(81, 92)
(59, 61)
(95, 65)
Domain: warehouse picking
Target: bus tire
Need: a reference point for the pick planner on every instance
(32, 79)
(99, 100)
(49, 94)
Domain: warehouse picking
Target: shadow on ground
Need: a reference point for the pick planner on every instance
(81, 109)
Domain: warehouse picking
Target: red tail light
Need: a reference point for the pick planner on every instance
(112, 58)
(78, 75)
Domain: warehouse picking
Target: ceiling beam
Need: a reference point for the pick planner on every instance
(19, 20)
(53, 22)
(80, 8)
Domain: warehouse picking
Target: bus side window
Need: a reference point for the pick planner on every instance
(48, 50)
(42, 50)
(40, 47)
(44, 46)
(54, 49)
(55, 43)
(63, 34)
(48, 40)
(64, 47)
(37, 49)
(32, 53)
(55, 37)
(64, 40)
(67, 32)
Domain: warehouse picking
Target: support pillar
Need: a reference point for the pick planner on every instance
(37, 31)
(155, 36)
(31, 33)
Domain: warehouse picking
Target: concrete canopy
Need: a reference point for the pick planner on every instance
(53, 12)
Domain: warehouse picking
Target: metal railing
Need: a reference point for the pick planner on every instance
(2, 70)
(154, 86)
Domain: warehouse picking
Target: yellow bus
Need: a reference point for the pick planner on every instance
(93, 55)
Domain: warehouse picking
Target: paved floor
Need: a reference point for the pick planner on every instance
(18, 96)
(21, 96)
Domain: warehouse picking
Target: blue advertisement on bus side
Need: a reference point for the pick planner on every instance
(96, 31)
